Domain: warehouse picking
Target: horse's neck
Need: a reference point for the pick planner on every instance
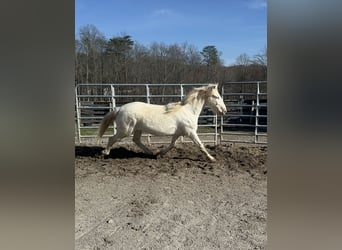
(196, 106)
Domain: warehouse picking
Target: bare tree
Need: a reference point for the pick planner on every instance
(90, 44)
(139, 56)
(261, 61)
(242, 62)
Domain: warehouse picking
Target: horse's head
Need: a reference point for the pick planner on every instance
(215, 101)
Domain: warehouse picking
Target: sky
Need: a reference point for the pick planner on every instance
(233, 26)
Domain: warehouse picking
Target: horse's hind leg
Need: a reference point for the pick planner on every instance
(137, 140)
(122, 130)
(172, 144)
(117, 137)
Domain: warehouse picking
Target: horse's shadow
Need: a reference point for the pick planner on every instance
(115, 153)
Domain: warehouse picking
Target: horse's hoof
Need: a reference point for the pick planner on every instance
(160, 153)
(105, 152)
(213, 159)
(159, 156)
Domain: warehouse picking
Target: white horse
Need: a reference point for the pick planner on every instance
(175, 119)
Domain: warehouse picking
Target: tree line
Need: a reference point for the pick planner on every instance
(122, 60)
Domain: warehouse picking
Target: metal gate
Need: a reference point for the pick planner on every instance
(244, 121)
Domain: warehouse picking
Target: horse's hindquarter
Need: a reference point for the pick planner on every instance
(151, 118)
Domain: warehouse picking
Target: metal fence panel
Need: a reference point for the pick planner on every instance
(245, 121)
(94, 100)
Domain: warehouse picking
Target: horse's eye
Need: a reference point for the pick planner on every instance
(215, 96)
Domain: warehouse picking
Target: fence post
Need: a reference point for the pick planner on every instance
(182, 95)
(221, 125)
(113, 96)
(148, 101)
(148, 93)
(78, 117)
(113, 103)
(182, 91)
(256, 138)
(216, 133)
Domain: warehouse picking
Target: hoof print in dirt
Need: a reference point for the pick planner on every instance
(129, 160)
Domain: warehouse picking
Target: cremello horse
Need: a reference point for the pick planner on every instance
(175, 119)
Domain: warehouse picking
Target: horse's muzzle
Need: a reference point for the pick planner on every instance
(222, 112)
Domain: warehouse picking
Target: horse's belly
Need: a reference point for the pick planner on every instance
(159, 127)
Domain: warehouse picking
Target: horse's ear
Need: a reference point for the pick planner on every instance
(219, 85)
(213, 86)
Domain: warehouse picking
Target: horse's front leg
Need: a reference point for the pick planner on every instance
(193, 135)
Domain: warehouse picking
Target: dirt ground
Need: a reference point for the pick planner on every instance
(129, 200)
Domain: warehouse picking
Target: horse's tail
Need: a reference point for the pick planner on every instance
(106, 121)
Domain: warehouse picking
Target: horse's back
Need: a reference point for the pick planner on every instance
(142, 108)
(141, 111)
